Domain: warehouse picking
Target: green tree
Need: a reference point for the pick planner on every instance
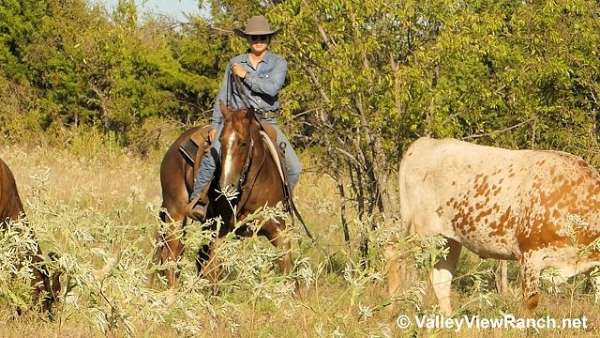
(18, 21)
(375, 75)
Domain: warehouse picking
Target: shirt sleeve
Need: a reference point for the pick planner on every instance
(268, 84)
(217, 117)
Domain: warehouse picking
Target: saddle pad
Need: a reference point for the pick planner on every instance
(193, 149)
(188, 150)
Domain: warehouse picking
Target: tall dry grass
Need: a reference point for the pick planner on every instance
(96, 206)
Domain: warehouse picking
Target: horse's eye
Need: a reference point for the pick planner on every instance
(243, 144)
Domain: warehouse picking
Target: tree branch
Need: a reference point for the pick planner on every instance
(474, 136)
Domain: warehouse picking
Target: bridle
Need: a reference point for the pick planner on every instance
(244, 189)
(245, 183)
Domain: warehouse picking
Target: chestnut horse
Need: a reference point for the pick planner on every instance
(246, 167)
(11, 210)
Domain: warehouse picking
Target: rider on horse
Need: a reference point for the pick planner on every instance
(262, 75)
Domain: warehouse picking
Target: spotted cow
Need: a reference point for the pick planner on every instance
(541, 208)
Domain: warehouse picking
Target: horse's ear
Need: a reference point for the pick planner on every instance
(224, 110)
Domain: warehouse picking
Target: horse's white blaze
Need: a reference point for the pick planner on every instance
(228, 162)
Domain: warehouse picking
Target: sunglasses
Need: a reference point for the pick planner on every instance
(255, 38)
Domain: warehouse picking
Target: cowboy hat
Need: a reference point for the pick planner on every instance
(256, 25)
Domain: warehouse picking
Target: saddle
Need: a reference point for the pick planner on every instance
(194, 149)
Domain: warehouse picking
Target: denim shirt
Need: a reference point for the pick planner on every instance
(261, 86)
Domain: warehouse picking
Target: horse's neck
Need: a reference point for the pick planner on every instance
(264, 163)
(263, 185)
(263, 170)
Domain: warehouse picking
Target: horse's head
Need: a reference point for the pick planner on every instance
(236, 145)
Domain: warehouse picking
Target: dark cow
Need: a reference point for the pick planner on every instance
(11, 210)
(541, 208)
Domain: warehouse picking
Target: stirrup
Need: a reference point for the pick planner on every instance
(198, 212)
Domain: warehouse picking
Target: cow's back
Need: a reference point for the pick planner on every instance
(496, 202)
(10, 203)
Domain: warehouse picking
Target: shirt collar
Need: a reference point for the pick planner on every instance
(266, 58)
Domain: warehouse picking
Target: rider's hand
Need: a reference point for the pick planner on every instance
(211, 135)
(238, 70)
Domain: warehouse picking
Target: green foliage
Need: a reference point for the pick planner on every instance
(18, 21)
(90, 67)
(382, 72)
(369, 77)
(448, 69)
(16, 270)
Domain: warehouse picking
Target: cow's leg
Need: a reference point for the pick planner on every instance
(502, 277)
(441, 276)
(170, 246)
(396, 275)
(393, 270)
(596, 287)
(530, 274)
(565, 260)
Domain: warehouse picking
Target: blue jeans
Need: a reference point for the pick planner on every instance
(209, 161)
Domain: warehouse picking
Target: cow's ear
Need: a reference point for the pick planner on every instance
(225, 111)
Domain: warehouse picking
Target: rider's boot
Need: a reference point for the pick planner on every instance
(199, 205)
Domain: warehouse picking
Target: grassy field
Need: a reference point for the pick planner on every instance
(96, 206)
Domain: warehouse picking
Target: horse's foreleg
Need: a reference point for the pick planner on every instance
(208, 263)
(279, 238)
(170, 246)
(202, 257)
